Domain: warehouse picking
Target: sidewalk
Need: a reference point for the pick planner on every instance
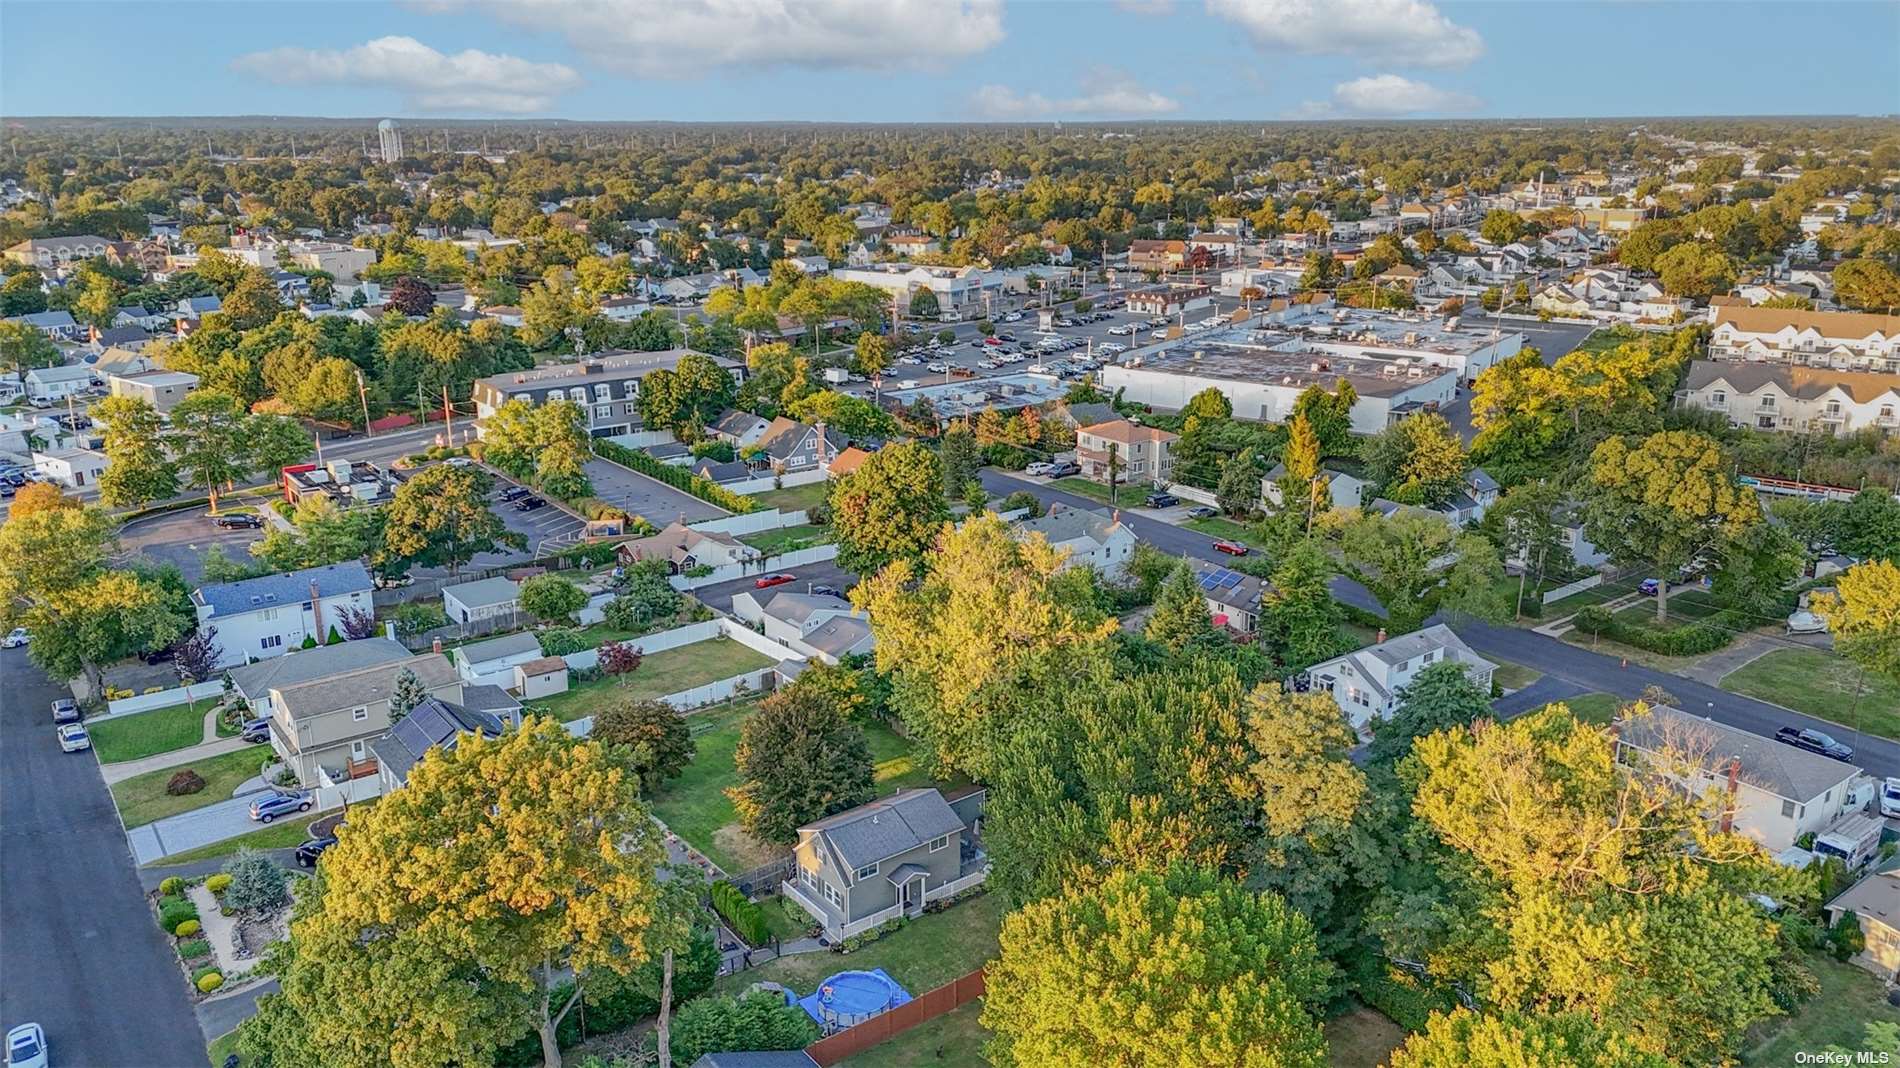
(126, 769)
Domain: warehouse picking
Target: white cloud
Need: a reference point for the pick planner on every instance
(690, 38)
(428, 80)
(1103, 93)
(1409, 33)
(1387, 95)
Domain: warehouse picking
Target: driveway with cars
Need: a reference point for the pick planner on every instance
(84, 956)
(719, 596)
(199, 827)
(658, 502)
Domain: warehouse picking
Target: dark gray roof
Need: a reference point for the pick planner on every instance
(491, 699)
(119, 335)
(1782, 770)
(791, 1058)
(839, 635)
(302, 665)
(484, 593)
(46, 319)
(434, 723)
(1236, 589)
(1479, 479)
(667, 450)
(733, 471)
(292, 587)
(738, 423)
(201, 305)
(133, 311)
(498, 648)
(881, 829)
(1091, 414)
(364, 686)
(795, 607)
(1406, 646)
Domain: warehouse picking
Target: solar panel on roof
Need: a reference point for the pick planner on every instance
(1230, 580)
(1209, 581)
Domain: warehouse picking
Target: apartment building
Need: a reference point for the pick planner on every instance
(1846, 341)
(1142, 454)
(1796, 398)
(606, 385)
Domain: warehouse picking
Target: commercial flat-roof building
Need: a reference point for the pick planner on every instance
(606, 385)
(1263, 381)
(1415, 337)
(160, 389)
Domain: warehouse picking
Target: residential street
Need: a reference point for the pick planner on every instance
(84, 956)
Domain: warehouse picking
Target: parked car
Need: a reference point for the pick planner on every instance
(827, 591)
(73, 738)
(308, 852)
(458, 461)
(1162, 500)
(766, 582)
(65, 711)
(529, 504)
(1814, 742)
(255, 730)
(1202, 511)
(1890, 797)
(1231, 548)
(26, 1047)
(1064, 469)
(1040, 467)
(1649, 587)
(159, 656)
(515, 493)
(7, 489)
(275, 804)
(241, 521)
(15, 638)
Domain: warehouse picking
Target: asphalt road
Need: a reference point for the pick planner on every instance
(84, 956)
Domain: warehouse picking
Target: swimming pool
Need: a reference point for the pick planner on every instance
(850, 998)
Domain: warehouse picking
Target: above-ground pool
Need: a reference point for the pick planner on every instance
(849, 998)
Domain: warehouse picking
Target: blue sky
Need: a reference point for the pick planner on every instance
(948, 60)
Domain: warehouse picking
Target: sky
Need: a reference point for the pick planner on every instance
(948, 60)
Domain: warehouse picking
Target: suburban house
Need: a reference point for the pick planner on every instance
(820, 625)
(788, 445)
(908, 245)
(438, 724)
(255, 681)
(1149, 254)
(685, 548)
(1366, 682)
(1775, 793)
(493, 662)
(1234, 598)
(1143, 454)
(129, 338)
(1343, 487)
(1843, 340)
(160, 389)
(843, 463)
(49, 385)
(1171, 300)
(73, 468)
(1771, 396)
(482, 601)
(606, 385)
(1093, 537)
(1875, 901)
(274, 614)
(322, 728)
(47, 253)
(738, 428)
(881, 860)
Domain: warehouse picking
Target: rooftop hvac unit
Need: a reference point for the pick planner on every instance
(1389, 371)
(1451, 323)
(317, 476)
(1414, 372)
(1411, 337)
(340, 470)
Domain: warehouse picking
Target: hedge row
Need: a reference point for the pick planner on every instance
(1687, 639)
(746, 919)
(677, 477)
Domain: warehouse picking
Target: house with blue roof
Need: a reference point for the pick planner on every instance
(271, 615)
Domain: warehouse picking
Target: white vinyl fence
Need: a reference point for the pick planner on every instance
(177, 695)
(785, 481)
(762, 566)
(1582, 584)
(690, 634)
(685, 700)
(750, 523)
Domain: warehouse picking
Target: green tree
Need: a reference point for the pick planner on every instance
(22, 294)
(274, 442)
(1209, 403)
(1305, 488)
(1666, 502)
(1239, 489)
(1501, 227)
(1180, 620)
(650, 737)
(923, 305)
(552, 599)
(405, 695)
(760, 1020)
(1523, 525)
(22, 348)
(891, 508)
(1417, 460)
(1440, 697)
(1466, 1038)
(1863, 614)
(871, 355)
(1869, 285)
(960, 457)
(209, 442)
(139, 466)
(799, 759)
(1299, 618)
(252, 302)
(1755, 570)
(1330, 416)
(1398, 559)
(440, 518)
(1176, 968)
(543, 896)
(1695, 270)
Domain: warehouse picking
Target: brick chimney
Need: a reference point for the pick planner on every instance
(1380, 637)
(437, 645)
(316, 612)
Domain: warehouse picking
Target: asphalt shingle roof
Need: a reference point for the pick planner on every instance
(364, 686)
(500, 648)
(484, 593)
(1782, 770)
(434, 723)
(292, 587)
(886, 827)
(303, 665)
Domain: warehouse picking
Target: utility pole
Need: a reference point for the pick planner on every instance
(448, 417)
(362, 393)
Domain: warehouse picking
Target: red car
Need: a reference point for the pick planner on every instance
(992, 341)
(1232, 548)
(772, 580)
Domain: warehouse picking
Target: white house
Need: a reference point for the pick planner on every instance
(482, 600)
(819, 625)
(1343, 487)
(273, 614)
(493, 662)
(1770, 792)
(1366, 682)
(1843, 340)
(58, 325)
(47, 385)
(75, 468)
(1094, 537)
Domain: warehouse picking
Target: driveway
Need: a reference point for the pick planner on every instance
(189, 830)
(718, 597)
(82, 947)
(658, 502)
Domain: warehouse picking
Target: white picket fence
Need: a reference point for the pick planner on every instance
(1582, 584)
(177, 695)
(762, 566)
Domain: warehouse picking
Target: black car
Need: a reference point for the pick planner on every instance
(308, 852)
(160, 656)
(241, 521)
(826, 591)
(515, 493)
(529, 504)
(1162, 500)
(1814, 742)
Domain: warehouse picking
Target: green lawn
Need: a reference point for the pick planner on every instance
(1515, 676)
(1849, 1000)
(1598, 708)
(1684, 607)
(1221, 527)
(661, 673)
(927, 953)
(784, 918)
(1362, 1038)
(793, 498)
(222, 1047)
(955, 1038)
(148, 733)
(695, 806)
(142, 798)
(1824, 685)
(280, 835)
(1126, 495)
(788, 539)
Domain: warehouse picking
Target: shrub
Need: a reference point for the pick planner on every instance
(1022, 499)
(209, 981)
(217, 883)
(865, 938)
(171, 886)
(1687, 639)
(187, 928)
(170, 916)
(256, 883)
(193, 949)
(678, 477)
(560, 641)
(745, 918)
(185, 782)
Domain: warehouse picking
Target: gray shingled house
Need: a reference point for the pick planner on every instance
(882, 860)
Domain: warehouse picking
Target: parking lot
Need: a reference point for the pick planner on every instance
(544, 527)
(182, 538)
(642, 496)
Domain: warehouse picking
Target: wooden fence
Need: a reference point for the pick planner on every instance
(852, 1041)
